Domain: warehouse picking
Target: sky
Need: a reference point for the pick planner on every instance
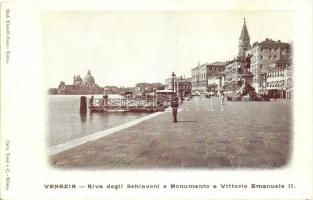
(123, 48)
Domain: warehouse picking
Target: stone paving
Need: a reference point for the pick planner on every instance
(244, 135)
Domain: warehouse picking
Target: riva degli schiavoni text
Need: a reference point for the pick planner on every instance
(168, 186)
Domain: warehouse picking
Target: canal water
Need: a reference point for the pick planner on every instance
(66, 123)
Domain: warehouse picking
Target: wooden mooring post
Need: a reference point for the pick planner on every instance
(83, 104)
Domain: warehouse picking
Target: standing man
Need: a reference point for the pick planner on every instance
(174, 105)
(222, 97)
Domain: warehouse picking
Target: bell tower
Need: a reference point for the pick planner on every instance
(244, 40)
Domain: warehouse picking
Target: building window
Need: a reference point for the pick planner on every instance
(261, 57)
(270, 57)
(274, 57)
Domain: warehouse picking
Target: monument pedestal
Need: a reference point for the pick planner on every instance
(246, 91)
(248, 77)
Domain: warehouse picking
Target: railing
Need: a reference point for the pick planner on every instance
(136, 104)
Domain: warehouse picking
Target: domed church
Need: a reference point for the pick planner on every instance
(89, 80)
(80, 86)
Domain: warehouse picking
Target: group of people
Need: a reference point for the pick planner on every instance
(175, 104)
(102, 102)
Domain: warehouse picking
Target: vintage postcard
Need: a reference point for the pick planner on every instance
(156, 100)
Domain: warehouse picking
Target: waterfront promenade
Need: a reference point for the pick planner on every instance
(244, 135)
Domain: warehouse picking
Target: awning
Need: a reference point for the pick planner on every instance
(276, 83)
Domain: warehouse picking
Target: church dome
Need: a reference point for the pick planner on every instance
(89, 78)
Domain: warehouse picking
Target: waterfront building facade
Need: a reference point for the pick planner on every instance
(198, 78)
(202, 73)
(216, 82)
(80, 86)
(264, 54)
(279, 79)
(183, 86)
(289, 81)
(232, 78)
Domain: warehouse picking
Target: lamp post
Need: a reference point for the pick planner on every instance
(155, 98)
(173, 81)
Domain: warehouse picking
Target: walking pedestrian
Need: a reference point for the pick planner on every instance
(174, 105)
(222, 97)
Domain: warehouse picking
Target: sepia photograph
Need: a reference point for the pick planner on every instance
(168, 89)
(156, 99)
